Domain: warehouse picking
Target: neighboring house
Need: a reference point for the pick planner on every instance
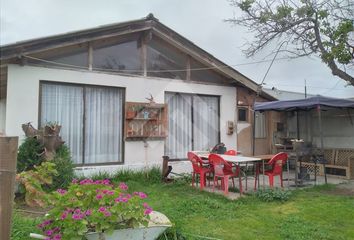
(83, 80)
(286, 95)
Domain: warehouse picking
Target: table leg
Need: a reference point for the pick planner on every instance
(240, 180)
(263, 173)
(246, 176)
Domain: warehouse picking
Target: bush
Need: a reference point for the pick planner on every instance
(29, 154)
(64, 167)
(273, 194)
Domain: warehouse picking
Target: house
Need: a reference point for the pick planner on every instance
(87, 80)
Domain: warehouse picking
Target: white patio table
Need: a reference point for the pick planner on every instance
(236, 160)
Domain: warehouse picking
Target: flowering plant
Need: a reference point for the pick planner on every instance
(94, 206)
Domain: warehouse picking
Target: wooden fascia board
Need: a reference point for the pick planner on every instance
(227, 71)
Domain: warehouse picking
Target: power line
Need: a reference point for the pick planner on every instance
(155, 71)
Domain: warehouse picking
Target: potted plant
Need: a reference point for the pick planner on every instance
(97, 210)
(130, 113)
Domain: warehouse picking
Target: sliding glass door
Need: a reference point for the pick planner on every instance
(193, 123)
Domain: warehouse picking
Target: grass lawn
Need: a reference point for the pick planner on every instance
(313, 213)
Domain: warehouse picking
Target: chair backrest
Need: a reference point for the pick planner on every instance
(218, 163)
(277, 162)
(231, 152)
(196, 161)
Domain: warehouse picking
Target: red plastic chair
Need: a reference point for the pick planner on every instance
(277, 162)
(199, 168)
(232, 153)
(222, 170)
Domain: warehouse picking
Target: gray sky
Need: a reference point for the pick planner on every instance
(201, 21)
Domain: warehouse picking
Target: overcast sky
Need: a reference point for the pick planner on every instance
(201, 21)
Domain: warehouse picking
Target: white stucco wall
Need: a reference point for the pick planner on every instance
(23, 101)
(2, 115)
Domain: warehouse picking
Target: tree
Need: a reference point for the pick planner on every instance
(308, 27)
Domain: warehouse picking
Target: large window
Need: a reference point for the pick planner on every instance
(118, 56)
(193, 123)
(91, 119)
(164, 60)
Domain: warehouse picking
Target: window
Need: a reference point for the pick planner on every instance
(201, 72)
(118, 56)
(193, 123)
(260, 125)
(73, 56)
(242, 114)
(91, 120)
(162, 57)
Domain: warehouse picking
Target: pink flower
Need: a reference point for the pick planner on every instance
(124, 199)
(77, 210)
(102, 209)
(107, 214)
(148, 211)
(49, 232)
(57, 237)
(99, 196)
(88, 212)
(123, 186)
(63, 216)
(61, 191)
(110, 192)
(145, 205)
(77, 216)
(106, 182)
(74, 181)
(105, 191)
(142, 195)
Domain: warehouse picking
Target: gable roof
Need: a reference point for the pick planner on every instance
(149, 23)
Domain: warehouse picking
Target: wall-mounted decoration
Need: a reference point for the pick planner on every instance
(145, 121)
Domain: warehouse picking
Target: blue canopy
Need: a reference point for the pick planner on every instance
(304, 104)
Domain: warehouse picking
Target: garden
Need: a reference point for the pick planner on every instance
(126, 199)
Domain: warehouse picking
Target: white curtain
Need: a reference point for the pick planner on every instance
(206, 122)
(63, 104)
(99, 116)
(103, 125)
(193, 123)
(179, 140)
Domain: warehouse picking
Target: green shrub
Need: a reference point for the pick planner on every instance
(23, 226)
(64, 167)
(273, 194)
(29, 154)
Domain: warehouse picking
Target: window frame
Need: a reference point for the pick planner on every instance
(192, 119)
(246, 108)
(83, 164)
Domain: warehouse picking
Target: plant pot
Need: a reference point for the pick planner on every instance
(157, 225)
(130, 114)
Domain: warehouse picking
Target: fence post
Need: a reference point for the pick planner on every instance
(8, 157)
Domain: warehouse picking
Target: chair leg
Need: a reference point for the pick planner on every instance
(281, 180)
(202, 181)
(271, 181)
(226, 185)
(214, 183)
(193, 179)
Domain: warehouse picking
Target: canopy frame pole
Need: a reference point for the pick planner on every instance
(321, 138)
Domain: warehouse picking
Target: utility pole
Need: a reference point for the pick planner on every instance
(305, 90)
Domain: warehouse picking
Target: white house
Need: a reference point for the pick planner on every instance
(83, 80)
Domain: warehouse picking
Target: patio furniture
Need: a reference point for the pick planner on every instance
(222, 169)
(199, 168)
(277, 162)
